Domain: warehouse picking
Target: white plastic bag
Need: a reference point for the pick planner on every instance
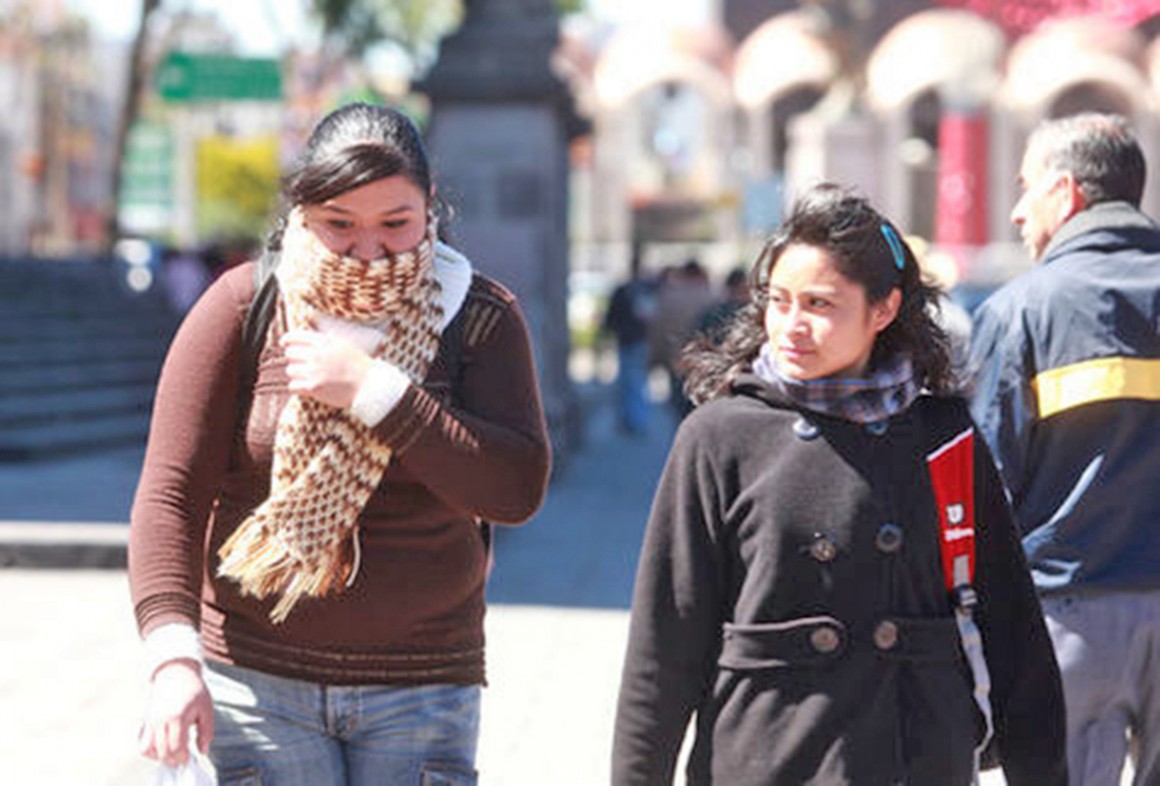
(195, 772)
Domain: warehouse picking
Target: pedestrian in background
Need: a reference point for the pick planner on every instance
(1067, 393)
(631, 310)
(186, 277)
(827, 544)
(714, 321)
(683, 295)
(321, 545)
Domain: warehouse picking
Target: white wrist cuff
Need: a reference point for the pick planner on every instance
(382, 389)
(174, 641)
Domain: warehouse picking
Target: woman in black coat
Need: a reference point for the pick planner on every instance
(831, 581)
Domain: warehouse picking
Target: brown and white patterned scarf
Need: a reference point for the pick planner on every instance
(302, 540)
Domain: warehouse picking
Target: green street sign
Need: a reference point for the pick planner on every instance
(183, 77)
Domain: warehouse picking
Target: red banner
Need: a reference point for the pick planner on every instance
(961, 212)
(1022, 16)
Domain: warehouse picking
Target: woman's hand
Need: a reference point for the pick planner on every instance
(178, 700)
(324, 367)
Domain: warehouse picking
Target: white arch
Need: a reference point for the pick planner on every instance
(1067, 53)
(1152, 64)
(1030, 92)
(782, 53)
(952, 50)
(638, 58)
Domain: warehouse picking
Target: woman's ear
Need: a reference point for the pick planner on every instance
(885, 310)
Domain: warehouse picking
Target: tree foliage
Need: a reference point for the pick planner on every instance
(355, 26)
(415, 25)
(237, 185)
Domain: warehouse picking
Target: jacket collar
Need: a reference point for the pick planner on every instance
(1100, 216)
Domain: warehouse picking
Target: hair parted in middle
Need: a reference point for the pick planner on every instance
(866, 248)
(354, 145)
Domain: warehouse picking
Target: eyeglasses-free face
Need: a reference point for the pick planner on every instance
(387, 216)
(821, 323)
(1043, 205)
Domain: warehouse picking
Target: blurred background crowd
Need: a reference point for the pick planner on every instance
(572, 138)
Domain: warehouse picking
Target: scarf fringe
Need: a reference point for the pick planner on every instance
(262, 566)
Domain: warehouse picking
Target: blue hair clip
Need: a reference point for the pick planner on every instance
(895, 244)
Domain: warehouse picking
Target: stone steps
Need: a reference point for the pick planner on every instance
(79, 357)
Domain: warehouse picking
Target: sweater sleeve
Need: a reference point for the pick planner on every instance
(1026, 693)
(488, 454)
(190, 437)
(674, 634)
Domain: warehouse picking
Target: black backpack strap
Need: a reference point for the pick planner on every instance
(254, 329)
(453, 349)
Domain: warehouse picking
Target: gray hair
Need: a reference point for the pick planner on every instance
(1098, 150)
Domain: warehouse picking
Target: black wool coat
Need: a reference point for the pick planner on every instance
(790, 596)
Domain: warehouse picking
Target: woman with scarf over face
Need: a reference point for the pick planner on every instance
(306, 558)
(831, 585)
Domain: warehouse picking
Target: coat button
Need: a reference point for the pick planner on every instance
(889, 538)
(824, 639)
(877, 428)
(886, 635)
(823, 548)
(805, 429)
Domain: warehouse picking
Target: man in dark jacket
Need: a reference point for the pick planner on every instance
(1067, 393)
(630, 311)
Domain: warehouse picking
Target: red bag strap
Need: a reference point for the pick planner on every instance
(952, 476)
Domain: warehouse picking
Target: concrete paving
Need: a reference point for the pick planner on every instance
(71, 687)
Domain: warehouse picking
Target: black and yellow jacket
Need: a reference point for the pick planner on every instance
(790, 596)
(1066, 361)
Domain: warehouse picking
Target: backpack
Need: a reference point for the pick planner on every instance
(256, 325)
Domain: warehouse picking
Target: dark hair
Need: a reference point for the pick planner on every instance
(352, 146)
(1099, 151)
(852, 232)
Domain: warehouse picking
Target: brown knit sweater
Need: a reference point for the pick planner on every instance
(415, 612)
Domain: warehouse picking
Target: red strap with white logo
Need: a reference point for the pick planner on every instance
(952, 475)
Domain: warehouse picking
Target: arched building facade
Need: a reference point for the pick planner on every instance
(703, 136)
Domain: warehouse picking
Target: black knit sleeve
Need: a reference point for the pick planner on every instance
(674, 635)
(1026, 694)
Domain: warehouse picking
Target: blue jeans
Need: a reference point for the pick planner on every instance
(632, 404)
(274, 731)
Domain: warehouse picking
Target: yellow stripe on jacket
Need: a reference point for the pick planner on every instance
(1103, 379)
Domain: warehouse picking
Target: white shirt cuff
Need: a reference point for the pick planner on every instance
(382, 389)
(173, 641)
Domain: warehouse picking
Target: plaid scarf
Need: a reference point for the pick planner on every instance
(886, 391)
(302, 540)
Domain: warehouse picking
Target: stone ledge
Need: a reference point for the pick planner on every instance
(63, 545)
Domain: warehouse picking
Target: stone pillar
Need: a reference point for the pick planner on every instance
(500, 125)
